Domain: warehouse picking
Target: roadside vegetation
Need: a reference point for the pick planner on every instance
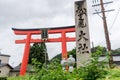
(94, 70)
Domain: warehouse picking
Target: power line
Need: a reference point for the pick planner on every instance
(94, 1)
(115, 19)
(108, 44)
(97, 4)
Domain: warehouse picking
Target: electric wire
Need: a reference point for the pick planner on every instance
(97, 9)
(115, 19)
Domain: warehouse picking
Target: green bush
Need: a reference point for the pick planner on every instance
(95, 69)
(3, 78)
(53, 71)
(113, 74)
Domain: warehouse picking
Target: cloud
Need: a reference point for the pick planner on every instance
(16, 11)
(31, 14)
(48, 13)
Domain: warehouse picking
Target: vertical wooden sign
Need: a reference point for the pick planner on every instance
(82, 34)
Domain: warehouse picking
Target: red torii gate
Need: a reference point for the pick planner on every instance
(63, 39)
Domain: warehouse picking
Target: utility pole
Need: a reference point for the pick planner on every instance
(106, 34)
(101, 4)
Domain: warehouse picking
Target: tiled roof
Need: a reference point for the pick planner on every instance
(112, 55)
(4, 64)
(17, 68)
(117, 62)
(4, 55)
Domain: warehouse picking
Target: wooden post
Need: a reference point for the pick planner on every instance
(106, 35)
(25, 56)
(64, 49)
(29, 32)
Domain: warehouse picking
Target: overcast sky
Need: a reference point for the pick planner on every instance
(51, 13)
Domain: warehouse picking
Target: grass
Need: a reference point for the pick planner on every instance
(113, 74)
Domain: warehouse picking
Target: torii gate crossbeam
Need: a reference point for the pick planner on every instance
(63, 39)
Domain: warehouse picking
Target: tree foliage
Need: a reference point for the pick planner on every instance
(92, 71)
(116, 51)
(38, 52)
(72, 52)
(59, 56)
(102, 49)
(95, 70)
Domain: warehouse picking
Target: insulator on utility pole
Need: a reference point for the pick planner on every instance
(101, 4)
(106, 34)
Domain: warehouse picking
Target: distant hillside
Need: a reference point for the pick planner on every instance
(59, 56)
(116, 51)
(73, 52)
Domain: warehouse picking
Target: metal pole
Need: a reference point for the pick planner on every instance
(106, 34)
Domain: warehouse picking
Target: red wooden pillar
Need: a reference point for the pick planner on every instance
(27, 41)
(25, 55)
(64, 49)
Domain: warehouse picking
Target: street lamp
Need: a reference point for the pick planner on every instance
(68, 62)
(64, 63)
(71, 62)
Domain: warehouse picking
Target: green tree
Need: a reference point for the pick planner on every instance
(116, 51)
(38, 52)
(103, 49)
(72, 52)
(59, 56)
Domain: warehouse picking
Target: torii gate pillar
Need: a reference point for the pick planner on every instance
(29, 32)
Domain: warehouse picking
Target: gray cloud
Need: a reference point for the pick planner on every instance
(19, 11)
(47, 13)
(30, 14)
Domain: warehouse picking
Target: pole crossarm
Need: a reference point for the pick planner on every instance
(106, 35)
(102, 3)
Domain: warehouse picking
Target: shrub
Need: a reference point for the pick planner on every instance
(53, 71)
(94, 69)
(3, 78)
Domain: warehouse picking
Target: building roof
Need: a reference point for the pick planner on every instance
(17, 68)
(112, 54)
(4, 55)
(4, 64)
(117, 62)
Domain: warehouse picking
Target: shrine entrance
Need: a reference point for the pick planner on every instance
(44, 38)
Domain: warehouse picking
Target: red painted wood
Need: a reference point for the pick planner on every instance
(63, 39)
(25, 56)
(49, 40)
(64, 50)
